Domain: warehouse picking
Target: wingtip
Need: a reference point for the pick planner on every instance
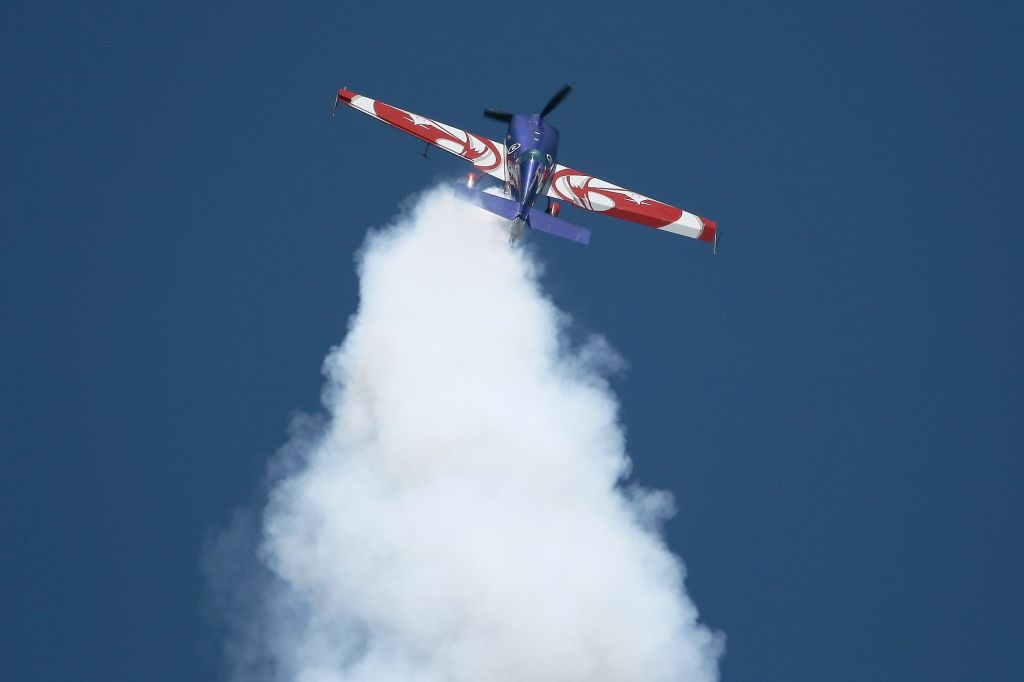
(709, 232)
(344, 95)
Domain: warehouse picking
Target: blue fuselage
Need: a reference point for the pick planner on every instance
(532, 147)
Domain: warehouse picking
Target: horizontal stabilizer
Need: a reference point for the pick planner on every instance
(545, 222)
(538, 220)
(499, 206)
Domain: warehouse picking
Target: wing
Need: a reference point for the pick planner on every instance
(487, 155)
(594, 194)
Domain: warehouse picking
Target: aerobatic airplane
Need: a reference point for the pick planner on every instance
(526, 165)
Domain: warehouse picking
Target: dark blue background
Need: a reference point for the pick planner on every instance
(835, 399)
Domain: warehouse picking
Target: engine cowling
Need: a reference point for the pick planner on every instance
(553, 209)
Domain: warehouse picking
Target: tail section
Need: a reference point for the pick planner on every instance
(516, 230)
(537, 219)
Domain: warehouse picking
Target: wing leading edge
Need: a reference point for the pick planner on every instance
(593, 194)
(485, 154)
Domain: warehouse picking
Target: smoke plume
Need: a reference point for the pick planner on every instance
(460, 514)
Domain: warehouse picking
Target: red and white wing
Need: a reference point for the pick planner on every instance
(487, 155)
(594, 194)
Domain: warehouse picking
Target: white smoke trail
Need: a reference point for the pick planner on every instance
(458, 517)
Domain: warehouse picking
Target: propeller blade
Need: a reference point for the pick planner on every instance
(556, 100)
(496, 115)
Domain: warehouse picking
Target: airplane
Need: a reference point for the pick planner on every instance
(526, 165)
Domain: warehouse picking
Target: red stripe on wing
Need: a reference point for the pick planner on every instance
(613, 200)
(481, 152)
(709, 231)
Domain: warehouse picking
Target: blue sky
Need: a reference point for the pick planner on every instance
(835, 399)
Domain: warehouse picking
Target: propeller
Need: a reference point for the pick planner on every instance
(505, 117)
(556, 100)
(496, 115)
